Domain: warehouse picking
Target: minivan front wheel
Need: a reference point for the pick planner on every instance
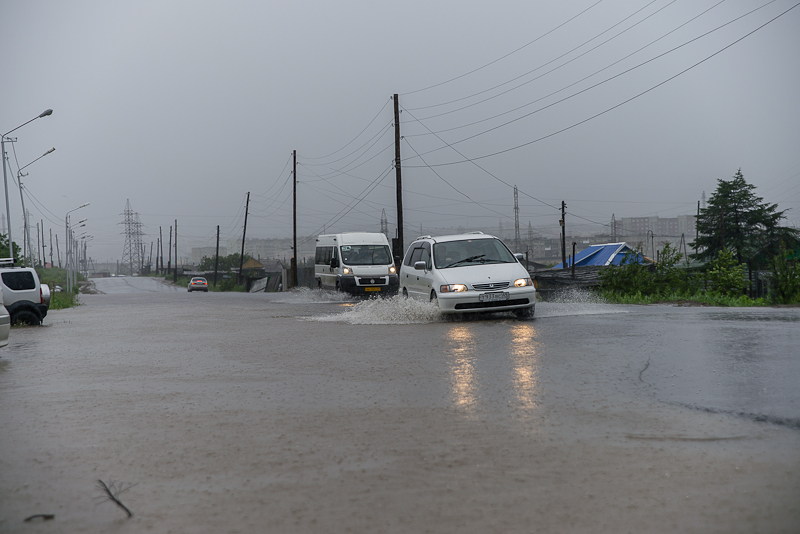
(405, 293)
(434, 298)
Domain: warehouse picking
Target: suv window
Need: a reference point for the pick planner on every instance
(19, 281)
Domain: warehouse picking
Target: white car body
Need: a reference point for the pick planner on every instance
(493, 281)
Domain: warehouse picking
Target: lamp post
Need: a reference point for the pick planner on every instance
(69, 245)
(5, 178)
(26, 237)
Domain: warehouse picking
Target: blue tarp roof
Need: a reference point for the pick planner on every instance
(607, 254)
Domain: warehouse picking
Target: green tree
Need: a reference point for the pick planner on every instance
(736, 219)
(4, 249)
(226, 263)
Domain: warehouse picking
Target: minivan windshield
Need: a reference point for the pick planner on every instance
(366, 255)
(470, 252)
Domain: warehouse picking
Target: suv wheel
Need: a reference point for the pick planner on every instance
(25, 317)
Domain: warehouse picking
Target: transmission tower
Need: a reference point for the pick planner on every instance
(132, 251)
(384, 224)
(516, 220)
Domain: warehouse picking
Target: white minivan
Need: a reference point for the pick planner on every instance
(359, 263)
(463, 273)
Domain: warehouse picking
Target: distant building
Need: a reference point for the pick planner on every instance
(659, 226)
(198, 253)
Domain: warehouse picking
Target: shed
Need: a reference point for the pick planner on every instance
(602, 255)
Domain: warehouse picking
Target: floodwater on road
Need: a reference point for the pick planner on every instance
(310, 412)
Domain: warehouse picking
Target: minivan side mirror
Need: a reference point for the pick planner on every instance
(334, 263)
(520, 256)
(420, 265)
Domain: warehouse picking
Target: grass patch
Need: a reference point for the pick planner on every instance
(62, 300)
(707, 299)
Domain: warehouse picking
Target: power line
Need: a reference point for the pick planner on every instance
(506, 55)
(608, 109)
(549, 62)
(572, 84)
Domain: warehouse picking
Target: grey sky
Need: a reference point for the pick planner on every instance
(183, 107)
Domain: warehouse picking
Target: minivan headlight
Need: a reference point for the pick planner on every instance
(453, 288)
(522, 282)
(392, 270)
(346, 270)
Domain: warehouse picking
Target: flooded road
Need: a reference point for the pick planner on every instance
(306, 412)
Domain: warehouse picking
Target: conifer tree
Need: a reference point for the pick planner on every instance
(736, 219)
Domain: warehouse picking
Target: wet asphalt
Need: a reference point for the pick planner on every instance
(305, 411)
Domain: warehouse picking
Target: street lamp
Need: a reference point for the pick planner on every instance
(45, 113)
(26, 238)
(69, 245)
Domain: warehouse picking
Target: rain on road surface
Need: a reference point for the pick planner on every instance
(304, 412)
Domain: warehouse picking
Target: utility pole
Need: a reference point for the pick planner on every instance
(51, 248)
(516, 220)
(216, 259)
(614, 227)
(150, 260)
(244, 234)
(175, 279)
(294, 218)
(696, 231)
(397, 244)
(161, 249)
(169, 251)
(58, 252)
(563, 236)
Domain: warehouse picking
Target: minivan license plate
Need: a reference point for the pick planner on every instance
(490, 297)
(372, 289)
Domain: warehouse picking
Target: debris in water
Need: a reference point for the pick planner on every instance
(112, 492)
(43, 517)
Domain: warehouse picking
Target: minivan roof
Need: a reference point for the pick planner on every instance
(358, 238)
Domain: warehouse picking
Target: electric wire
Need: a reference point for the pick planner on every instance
(566, 86)
(506, 55)
(357, 136)
(552, 134)
(549, 62)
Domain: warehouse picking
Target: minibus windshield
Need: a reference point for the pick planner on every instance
(366, 255)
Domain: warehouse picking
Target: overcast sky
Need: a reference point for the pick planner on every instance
(184, 107)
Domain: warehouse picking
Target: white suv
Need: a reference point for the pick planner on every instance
(471, 272)
(25, 298)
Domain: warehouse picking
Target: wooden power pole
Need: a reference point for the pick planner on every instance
(244, 234)
(563, 236)
(294, 218)
(216, 259)
(397, 244)
(175, 278)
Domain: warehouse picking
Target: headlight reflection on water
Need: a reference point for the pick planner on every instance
(464, 376)
(525, 364)
(518, 366)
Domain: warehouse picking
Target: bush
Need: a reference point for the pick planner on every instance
(784, 280)
(727, 275)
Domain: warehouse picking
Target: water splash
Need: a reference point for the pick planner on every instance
(574, 301)
(306, 295)
(395, 310)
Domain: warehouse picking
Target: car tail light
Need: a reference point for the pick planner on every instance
(41, 295)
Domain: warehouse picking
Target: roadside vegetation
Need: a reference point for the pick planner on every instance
(55, 277)
(737, 234)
